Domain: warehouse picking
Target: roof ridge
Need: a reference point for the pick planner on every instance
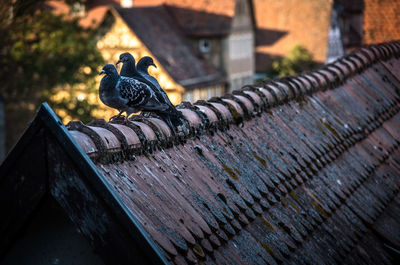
(111, 142)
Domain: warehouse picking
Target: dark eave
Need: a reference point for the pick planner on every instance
(47, 122)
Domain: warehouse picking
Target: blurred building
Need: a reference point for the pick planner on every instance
(365, 22)
(329, 29)
(349, 15)
(205, 48)
(201, 49)
(381, 21)
(283, 24)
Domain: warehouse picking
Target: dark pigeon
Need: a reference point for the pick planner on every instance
(171, 116)
(127, 94)
(128, 66)
(142, 67)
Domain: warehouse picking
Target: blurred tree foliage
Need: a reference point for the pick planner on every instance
(298, 60)
(41, 52)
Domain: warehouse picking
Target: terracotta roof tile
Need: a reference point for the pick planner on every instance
(299, 170)
(221, 7)
(247, 207)
(198, 18)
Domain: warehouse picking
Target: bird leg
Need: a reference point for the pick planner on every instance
(170, 125)
(116, 116)
(126, 118)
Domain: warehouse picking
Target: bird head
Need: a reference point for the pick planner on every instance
(125, 57)
(108, 69)
(148, 61)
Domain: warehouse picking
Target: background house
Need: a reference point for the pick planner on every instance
(222, 31)
(283, 24)
(328, 29)
(207, 49)
(201, 50)
(381, 21)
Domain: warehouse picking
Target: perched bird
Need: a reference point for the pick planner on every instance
(128, 66)
(172, 117)
(142, 67)
(127, 94)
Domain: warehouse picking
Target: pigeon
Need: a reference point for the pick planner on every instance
(172, 117)
(142, 68)
(128, 66)
(127, 94)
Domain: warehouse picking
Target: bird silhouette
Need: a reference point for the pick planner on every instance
(172, 116)
(127, 94)
(142, 68)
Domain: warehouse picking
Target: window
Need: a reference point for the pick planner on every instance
(204, 45)
(127, 3)
(78, 9)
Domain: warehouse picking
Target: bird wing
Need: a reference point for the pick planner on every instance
(163, 97)
(137, 93)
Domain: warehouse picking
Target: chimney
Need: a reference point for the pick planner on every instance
(127, 3)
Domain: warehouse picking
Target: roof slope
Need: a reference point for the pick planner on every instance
(199, 18)
(298, 170)
(161, 35)
(200, 23)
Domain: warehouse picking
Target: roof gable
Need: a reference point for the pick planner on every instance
(205, 18)
(302, 169)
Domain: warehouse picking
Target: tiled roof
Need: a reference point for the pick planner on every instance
(158, 31)
(201, 18)
(381, 21)
(96, 10)
(199, 23)
(287, 23)
(299, 170)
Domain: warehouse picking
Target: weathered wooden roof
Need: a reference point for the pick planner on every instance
(299, 170)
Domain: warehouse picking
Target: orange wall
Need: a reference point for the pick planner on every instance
(381, 21)
(306, 22)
